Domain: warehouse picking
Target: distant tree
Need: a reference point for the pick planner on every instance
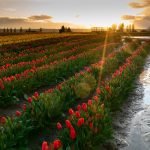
(40, 29)
(20, 29)
(4, 30)
(130, 27)
(121, 27)
(68, 29)
(11, 30)
(114, 27)
(127, 28)
(7, 30)
(15, 30)
(62, 29)
(29, 30)
(133, 28)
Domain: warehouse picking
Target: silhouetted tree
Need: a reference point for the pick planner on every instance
(4, 30)
(7, 30)
(10, 30)
(20, 29)
(127, 28)
(40, 29)
(29, 30)
(114, 27)
(121, 27)
(62, 29)
(68, 29)
(133, 29)
(15, 30)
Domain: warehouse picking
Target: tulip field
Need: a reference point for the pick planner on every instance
(66, 86)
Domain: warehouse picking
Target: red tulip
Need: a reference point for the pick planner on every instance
(44, 146)
(24, 107)
(68, 124)
(80, 122)
(29, 99)
(84, 106)
(72, 133)
(77, 114)
(71, 112)
(91, 125)
(2, 87)
(98, 91)
(89, 102)
(36, 94)
(57, 144)
(107, 88)
(96, 98)
(78, 107)
(59, 126)
(18, 113)
(3, 120)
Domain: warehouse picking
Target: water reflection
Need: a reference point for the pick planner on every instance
(137, 37)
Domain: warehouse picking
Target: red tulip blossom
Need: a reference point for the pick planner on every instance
(72, 133)
(77, 113)
(44, 145)
(30, 100)
(91, 125)
(89, 102)
(80, 122)
(68, 124)
(3, 120)
(24, 107)
(96, 98)
(18, 113)
(2, 87)
(84, 106)
(78, 107)
(36, 94)
(71, 112)
(59, 126)
(57, 144)
(98, 91)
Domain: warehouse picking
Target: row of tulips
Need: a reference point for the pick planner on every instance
(50, 39)
(46, 75)
(38, 52)
(90, 123)
(42, 108)
(12, 69)
(35, 42)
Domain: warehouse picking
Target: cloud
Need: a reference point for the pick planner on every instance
(131, 17)
(144, 22)
(141, 4)
(77, 16)
(128, 17)
(41, 17)
(32, 23)
(143, 19)
(9, 9)
(138, 5)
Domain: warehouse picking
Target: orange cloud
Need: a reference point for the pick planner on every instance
(142, 4)
(32, 22)
(41, 17)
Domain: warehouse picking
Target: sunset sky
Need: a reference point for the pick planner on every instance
(73, 13)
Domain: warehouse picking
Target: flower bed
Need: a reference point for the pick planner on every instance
(31, 79)
(44, 107)
(90, 123)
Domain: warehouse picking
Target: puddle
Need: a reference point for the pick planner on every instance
(132, 123)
